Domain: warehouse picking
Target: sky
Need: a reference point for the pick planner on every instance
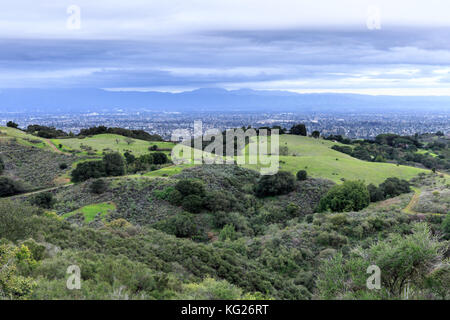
(348, 46)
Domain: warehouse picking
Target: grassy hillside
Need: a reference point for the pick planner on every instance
(108, 142)
(8, 135)
(320, 161)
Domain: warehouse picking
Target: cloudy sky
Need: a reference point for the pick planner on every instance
(375, 47)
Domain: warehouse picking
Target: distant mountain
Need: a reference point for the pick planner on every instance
(98, 100)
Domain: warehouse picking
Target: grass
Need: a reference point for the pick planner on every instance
(91, 211)
(320, 161)
(422, 151)
(23, 138)
(111, 142)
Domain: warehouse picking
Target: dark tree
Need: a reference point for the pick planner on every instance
(349, 196)
(192, 203)
(11, 124)
(282, 182)
(159, 158)
(190, 187)
(44, 200)
(315, 134)
(88, 170)
(302, 175)
(299, 130)
(114, 164)
(98, 186)
(63, 166)
(393, 187)
(9, 187)
(2, 166)
(376, 194)
(153, 148)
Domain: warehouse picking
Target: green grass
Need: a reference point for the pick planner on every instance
(90, 212)
(320, 161)
(113, 142)
(23, 138)
(422, 151)
(168, 171)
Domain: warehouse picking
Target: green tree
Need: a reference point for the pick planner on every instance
(302, 175)
(315, 134)
(11, 124)
(376, 194)
(160, 158)
(44, 200)
(9, 187)
(349, 196)
(227, 233)
(87, 170)
(192, 203)
(299, 130)
(2, 165)
(190, 187)
(98, 186)
(393, 187)
(282, 182)
(114, 164)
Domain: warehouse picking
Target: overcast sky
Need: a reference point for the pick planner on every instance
(393, 47)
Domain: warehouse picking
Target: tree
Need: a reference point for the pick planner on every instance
(299, 130)
(393, 187)
(190, 187)
(227, 233)
(192, 203)
(11, 124)
(315, 134)
(349, 196)
(2, 166)
(129, 141)
(159, 158)
(98, 186)
(153, 148)
(9, 187)
(63, 166)
(44, 200)
(87, 170)
(12, 284)
(376, 194)
(302, 175)
(446, 227)
(282, 182)
(114, 164)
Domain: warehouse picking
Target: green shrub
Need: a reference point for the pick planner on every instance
(87, 170)
(44, 200)
(98, 186)
(114, 164)
(227, 233)
(302, 175)
(63, 166)
(192, 203)
(9, 187)
(282, 182)
(189, 187)
(350, 196)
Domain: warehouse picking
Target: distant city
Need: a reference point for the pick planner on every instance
(357, 125)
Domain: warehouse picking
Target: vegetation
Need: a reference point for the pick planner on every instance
(350, 196)
(272, 185)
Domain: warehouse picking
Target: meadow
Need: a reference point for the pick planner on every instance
(97, 144)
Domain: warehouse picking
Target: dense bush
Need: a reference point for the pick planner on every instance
(192, 203)
(136, 134)
(98, 186)
(11, 124)
(2, 166)
(190, 187)
(87, 170)
(350, 196)
(302, 175)
(114, 164)
(9, 187)
(44, 200)
(282, 182)
(63, 166)
(393, 187)
(159, 158)
(299, 129)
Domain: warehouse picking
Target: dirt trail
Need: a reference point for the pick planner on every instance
(54, 148)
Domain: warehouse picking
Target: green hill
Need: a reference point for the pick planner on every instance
(320, 161)
(109, 142)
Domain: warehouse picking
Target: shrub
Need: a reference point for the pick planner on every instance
(88, 170)
(282, 182)
(376, 194)
(12, 124)
(350, 196)
(160, 158)
(192, 203)
(190, 187)
(9, 187)
(393, 187)
(227, 233)
(114, 164)
(182, 225)
(299, 129)
(98, 186)
(44, 200)
(175, 197)
(302, 175)
(63, 166)
(2, 166)
(446, 227)
(153, 148)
